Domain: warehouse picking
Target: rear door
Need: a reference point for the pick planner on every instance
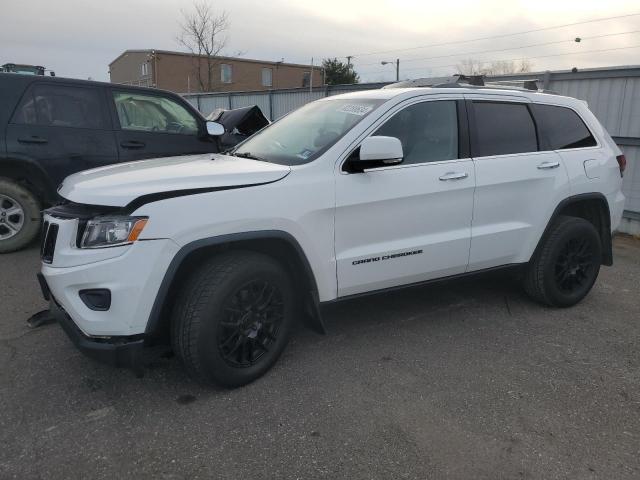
(64, 128)
(155, 124)
(518, 183)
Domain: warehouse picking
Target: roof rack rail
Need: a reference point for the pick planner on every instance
(471, 81)
(453, 81)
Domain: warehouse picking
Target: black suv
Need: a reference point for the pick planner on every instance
(53, 127)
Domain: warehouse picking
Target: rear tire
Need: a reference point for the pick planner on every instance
(566, 265)
(20, 216)
(233, 318)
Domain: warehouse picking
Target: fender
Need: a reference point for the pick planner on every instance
(604, 221)
(159, 311)
(24, 168)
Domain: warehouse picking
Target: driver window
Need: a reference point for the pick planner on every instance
(151, 113)
(428, 131)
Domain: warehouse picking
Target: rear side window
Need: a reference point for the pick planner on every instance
(561, 128)
(61, 106)
(428, 131)
(503, 128)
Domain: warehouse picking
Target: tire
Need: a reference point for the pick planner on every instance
(213, 333)
(566, 265)
(20, 216)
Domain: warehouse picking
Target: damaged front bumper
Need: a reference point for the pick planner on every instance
(114, 351)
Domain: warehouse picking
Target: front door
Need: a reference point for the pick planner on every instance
(152, 125)
(407, 223)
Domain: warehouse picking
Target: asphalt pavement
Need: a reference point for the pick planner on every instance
(462, 380)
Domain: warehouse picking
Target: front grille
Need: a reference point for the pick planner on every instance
(49, 236)
(45, 228)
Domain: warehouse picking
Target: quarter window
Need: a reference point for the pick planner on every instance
(151, 113)
(61, 106)
(267, 77)
(428, 131)
(225, 73)
(561, 128)
(503, 128)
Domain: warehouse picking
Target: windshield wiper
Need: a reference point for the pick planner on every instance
(248, 155)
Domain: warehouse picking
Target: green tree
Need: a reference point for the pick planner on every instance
(338, 73)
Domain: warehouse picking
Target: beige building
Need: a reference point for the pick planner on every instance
(178, 72)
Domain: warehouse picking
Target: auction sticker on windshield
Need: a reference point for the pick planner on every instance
(356, 109)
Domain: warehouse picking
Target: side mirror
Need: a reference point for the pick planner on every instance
(387, 150)
(215, 129)
(375, 152)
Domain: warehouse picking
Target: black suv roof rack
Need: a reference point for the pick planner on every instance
(471, 81)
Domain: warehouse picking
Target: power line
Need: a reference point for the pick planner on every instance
(514, 59)
(510, 48)
(495, 36)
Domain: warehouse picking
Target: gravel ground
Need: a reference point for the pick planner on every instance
(466, 379)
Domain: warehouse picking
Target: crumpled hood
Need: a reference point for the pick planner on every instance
(121, 184)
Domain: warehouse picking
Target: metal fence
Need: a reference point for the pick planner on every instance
(613, 94)
(273, 103)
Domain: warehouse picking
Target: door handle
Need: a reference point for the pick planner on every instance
(548, 165)
(132, 144)
(453, 176)
(33, 139)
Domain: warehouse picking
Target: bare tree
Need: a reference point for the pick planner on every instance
(471, 66)
(203, 33)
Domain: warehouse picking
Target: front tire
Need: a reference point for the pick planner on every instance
(567, 264)
(20, 216)
(233, 318)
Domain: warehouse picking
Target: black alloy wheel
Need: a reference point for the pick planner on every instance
(254, 315)
(566, 263)
(233, 317)
(574, 264)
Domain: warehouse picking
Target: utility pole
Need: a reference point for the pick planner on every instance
(349, 57)
(311, 77)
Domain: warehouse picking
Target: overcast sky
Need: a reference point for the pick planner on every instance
(79, 38)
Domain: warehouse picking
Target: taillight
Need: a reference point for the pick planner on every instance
(622, 163)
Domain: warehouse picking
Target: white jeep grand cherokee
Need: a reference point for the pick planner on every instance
(349, 195)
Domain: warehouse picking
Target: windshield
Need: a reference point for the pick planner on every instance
(306, 133)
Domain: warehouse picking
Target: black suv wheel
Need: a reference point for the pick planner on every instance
(567, 264)
(19, 216)
(233, 318)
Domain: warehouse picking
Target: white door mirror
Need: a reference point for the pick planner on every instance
(387, 150)
(215, 129)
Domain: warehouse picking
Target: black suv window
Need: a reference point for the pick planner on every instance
(428, 131)
(503, 128)
(151, 113)
(61, 106)
(561, 128)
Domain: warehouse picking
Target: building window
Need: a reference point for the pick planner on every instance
(267, 77)
(225, 73)
(306, 79)
(144, 69)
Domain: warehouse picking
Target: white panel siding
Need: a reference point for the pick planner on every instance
(285, 102)
(630, 116)
(631, 181)
(605, 97)
(209, 103)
